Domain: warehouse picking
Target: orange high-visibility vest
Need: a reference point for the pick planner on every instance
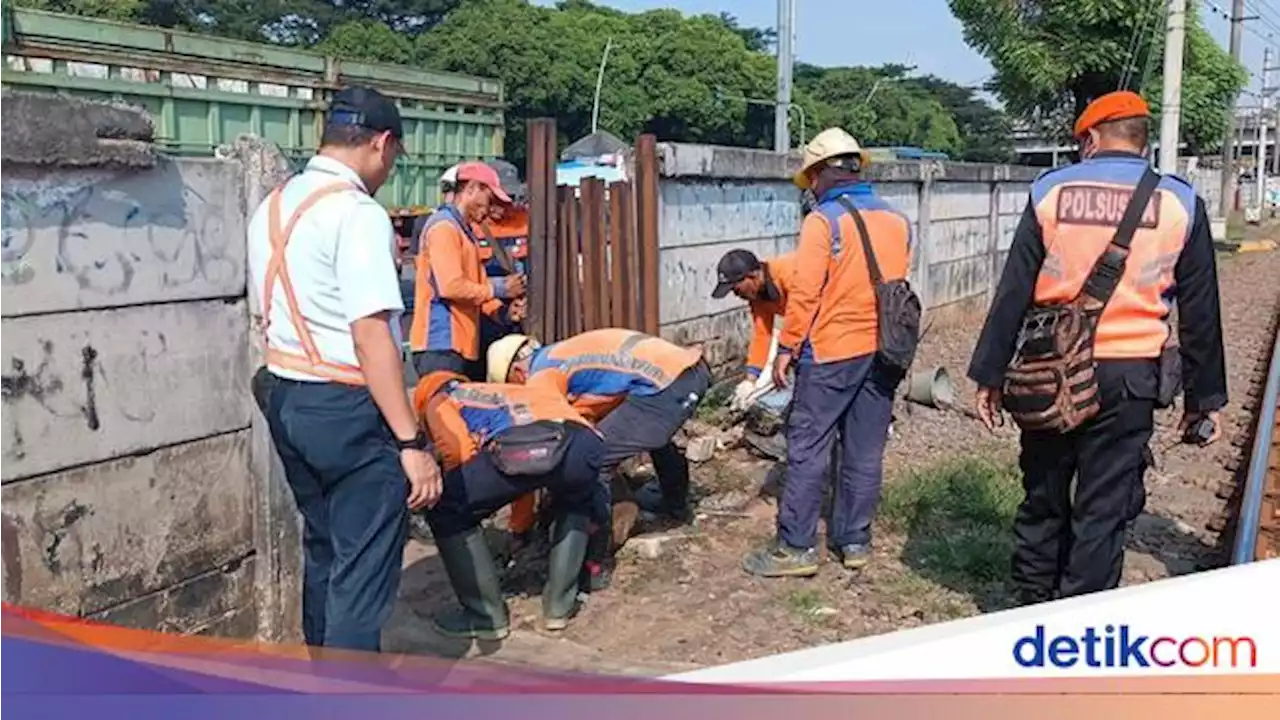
(1079, 208)
(310, 360)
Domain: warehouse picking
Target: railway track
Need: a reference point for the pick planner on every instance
(1256, 506)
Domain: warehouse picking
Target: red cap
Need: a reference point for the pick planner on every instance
(485, 175)
(1119, 105)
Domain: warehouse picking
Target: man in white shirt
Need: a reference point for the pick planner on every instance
(322, 260)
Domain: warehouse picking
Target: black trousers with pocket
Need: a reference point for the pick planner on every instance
(1070, 543)
(647, 423)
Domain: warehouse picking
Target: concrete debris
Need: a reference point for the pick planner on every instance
(701, 449)
(651, 546)
(42, 129)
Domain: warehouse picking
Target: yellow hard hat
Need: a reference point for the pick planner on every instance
(503, 353)
(830, 143)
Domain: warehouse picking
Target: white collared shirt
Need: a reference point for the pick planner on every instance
(340, 259)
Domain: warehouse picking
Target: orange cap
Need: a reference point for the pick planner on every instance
(1119, 105)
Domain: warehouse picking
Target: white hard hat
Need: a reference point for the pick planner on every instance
(450, 177)
(503, 353)
(830, 143)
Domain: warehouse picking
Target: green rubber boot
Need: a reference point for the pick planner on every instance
(474, 578)
(568, 549)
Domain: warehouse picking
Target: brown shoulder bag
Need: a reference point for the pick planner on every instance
(1052, 384)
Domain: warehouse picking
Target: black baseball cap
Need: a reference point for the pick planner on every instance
(733, 267)
(367, 108)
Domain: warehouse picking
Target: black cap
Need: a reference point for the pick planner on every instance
(367, 108)
(733, 267)
(508, 178)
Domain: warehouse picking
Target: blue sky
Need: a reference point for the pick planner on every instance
(874, 32)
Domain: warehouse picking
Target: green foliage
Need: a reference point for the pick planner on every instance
(703, 78)
(957, 516)
(1053, 56)
(678, 77)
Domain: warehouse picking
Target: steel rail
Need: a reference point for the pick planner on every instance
(1250, 517)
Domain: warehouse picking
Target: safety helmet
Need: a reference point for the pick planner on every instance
(449, 180)
(830, 143)
(504, 352)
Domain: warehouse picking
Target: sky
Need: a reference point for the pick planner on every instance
(924, 33)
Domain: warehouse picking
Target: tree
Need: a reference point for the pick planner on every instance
(986, 135)
(1052, 57)
(682, 78)
(879, 106)
(291, 22)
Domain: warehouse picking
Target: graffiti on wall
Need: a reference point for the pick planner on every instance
(123, 235)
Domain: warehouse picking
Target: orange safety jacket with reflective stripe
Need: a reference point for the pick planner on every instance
(450, 288)
(309, 361)
(462, 416)
(599, 369)
(1078, 208)
(831, 304)
(765, 310)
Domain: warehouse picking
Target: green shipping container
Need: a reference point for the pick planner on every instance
(204, 91)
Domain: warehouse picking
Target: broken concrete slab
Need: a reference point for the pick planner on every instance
(52, 130)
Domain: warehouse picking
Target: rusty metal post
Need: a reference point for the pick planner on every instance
(570, 312)
(541, 175)
(647, 230)
(594, 306)
(619, 219)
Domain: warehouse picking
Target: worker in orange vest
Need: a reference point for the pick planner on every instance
(451, 290)
(1071, 541)
(551, 446)
(764, 286)
(831, 338)
(638, 390)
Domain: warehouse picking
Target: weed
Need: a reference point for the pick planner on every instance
(957, 517)
(808, 605)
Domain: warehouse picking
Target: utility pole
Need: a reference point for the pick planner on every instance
(1171, 102)
(1229, 140)
(1260, 157)
(782, 111)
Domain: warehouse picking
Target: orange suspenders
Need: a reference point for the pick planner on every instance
(310, 361)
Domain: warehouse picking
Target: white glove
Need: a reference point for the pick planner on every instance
(742, 394)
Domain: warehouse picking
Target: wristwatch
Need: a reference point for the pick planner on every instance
(418, 442)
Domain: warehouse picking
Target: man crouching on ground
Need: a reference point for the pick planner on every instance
(495, 443)
(638, 389)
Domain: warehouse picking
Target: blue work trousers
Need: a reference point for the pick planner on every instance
(854, 397)
(341, 462)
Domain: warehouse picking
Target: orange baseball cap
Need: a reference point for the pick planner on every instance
(1119, 105)
(485, 175)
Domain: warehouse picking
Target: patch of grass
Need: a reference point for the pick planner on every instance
(957, 517)
(806, 603)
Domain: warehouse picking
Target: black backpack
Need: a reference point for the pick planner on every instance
(898, 307)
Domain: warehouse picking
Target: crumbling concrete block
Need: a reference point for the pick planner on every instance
(51, 130)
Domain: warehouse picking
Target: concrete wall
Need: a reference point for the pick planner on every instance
(713, 199)
(129, 490)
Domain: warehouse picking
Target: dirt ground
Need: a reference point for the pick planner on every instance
(681, 600)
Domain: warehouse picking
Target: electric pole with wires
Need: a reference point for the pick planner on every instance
(1229, 140)
(1171, 101)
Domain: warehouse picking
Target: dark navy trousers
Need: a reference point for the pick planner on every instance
(343, 467)
(477, 489)
(855, 398)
